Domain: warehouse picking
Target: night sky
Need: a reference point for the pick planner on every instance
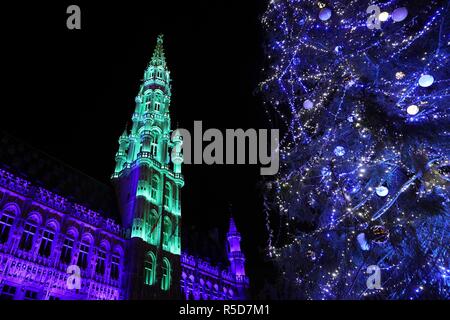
(70, 93)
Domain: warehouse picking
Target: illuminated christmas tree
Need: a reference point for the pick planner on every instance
(361, 93)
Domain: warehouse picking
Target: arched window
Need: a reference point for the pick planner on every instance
(67, 248)
(157, 106)
(155, 187)
(150, 269)
(84, 252)
(47, 239)
(101, 259)
(29, 231)
(167, 196)
(66, 251)
(115, 262)
(153, 226)
(7, 217)
(167, 233)
(166, 275)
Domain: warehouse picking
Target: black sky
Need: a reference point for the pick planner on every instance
(70, 93)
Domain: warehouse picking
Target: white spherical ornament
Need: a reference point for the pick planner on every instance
(339, 151)
(308, 104)
(382, 191)
(325, 14)
(412, 110)
(426, 80)
(362, 241)
(384, 16)
(399, 14)
(325, 172)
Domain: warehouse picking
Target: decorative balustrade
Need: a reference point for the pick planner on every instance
(50, 199)
(54, 201)
(14, 183)
(149, 157)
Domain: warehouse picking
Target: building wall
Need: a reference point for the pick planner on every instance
(37, 228)
(39, 272)
(202, 281)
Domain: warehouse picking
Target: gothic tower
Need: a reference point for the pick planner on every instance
(148, 187)
(236, 258)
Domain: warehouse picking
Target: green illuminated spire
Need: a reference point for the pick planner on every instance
(145, 151)
(158, 58)
(148, 183)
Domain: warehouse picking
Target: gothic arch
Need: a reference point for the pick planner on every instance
(105, 245)
(158, 94)
(11, 208)
(73, 233)
(150, 268)
(155, 186)
(118, 250)
(156, 129)
(168, 194)
(166, 278)
(53, 224)
(35, 217)
(87, 238)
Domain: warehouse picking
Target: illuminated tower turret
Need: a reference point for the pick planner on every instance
(235, 255)
(148, 187)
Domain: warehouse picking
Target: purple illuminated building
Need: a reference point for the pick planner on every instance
(65, 236)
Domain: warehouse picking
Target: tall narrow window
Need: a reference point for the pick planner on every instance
(154, 192)
(83, 255)
(26, 242)
(166, 276)
(167, 196)
(66, 252)
(6, 222)
(153, 223)
(167, 232)
(100, 266)
(150, 269)
(115, 260)
(157, 106)
(46, 244)
(154, 145)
